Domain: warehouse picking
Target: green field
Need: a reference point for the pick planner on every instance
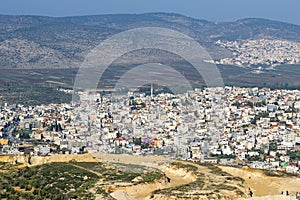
(37, 86)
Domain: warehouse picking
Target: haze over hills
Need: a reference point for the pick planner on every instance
(49, 42)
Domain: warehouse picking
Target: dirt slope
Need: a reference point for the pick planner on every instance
(263, 185)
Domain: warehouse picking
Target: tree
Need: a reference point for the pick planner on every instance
(273, 146)
(145, 146)
(250, 104)
(137, 141)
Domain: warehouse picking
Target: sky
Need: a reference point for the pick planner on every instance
(212, 10)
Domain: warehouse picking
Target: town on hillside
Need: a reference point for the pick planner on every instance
(257, 127)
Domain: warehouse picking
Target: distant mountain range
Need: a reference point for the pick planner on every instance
(50, 42)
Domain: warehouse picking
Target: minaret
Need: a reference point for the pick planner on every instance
(151, 91)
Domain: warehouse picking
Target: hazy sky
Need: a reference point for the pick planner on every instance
(215, 10)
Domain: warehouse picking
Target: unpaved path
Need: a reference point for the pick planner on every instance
(143, 191)
(177, 176)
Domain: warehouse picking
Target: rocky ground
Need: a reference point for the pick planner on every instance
(180, 180)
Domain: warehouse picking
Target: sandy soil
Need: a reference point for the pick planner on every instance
(271, 197)
(149, 161)
(143, 191)
(39, 160)
(263, 185)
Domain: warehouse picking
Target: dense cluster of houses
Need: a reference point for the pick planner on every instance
(258, 127)
(261, 51)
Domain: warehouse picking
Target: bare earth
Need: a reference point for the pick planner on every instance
(263, 185)
(143, 191)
